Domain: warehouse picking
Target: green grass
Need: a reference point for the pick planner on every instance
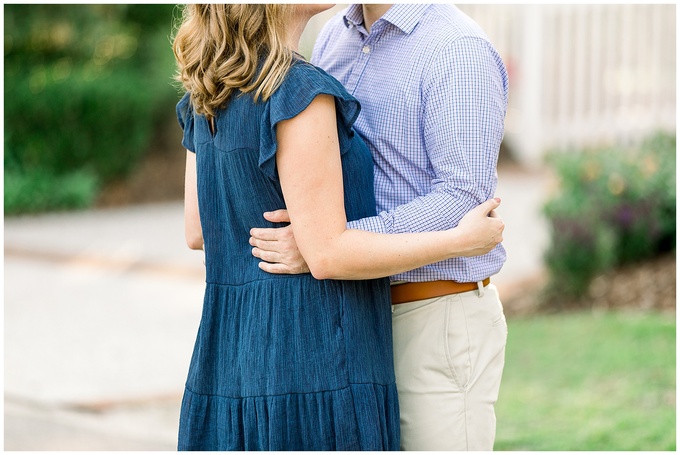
(589, 381)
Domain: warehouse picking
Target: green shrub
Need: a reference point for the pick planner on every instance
(615, 206)
(83, 87)
(39, 191)
(102, 123)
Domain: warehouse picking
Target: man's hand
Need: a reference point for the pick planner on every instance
(277, 247)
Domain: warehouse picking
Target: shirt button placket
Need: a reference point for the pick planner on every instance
(357, 71)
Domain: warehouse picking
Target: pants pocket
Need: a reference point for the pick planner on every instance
(476, 334)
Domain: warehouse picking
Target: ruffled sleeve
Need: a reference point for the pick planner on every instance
(185, 117)
(303, 83)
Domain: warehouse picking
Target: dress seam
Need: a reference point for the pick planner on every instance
(287, 393)
(261, 279)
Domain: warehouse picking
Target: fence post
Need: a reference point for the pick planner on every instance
(528, 139)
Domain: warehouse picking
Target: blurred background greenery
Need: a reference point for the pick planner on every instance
(85, 88)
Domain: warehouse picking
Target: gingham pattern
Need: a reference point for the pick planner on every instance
(433, 95)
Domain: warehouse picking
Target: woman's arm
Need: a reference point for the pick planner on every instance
(310, 171)
(192, 220)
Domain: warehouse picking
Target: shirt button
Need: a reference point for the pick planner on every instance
(366, 49)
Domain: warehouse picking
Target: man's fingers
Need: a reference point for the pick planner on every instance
(268, 245)
(276, 268)
(269, 256)
(277, 216)
(269, 234)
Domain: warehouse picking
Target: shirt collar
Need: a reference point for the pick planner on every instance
(403, 16)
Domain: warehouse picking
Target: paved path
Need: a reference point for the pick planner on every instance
(102, 308)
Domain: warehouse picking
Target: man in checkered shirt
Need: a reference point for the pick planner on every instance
(433, 93)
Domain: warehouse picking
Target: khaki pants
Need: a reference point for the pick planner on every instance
(449, 354)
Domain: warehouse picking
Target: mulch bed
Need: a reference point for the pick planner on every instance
(645, 286)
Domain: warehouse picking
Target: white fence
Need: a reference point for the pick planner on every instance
(583, 75)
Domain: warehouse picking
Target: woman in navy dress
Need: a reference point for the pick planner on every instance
(288, 362)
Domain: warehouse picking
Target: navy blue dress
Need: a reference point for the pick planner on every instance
(282, 362)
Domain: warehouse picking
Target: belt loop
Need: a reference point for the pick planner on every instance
(480, 289)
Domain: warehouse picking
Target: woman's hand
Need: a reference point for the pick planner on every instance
(481, 229)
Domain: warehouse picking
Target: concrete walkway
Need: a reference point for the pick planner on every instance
(102, 308)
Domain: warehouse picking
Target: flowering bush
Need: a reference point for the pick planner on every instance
(615, 206)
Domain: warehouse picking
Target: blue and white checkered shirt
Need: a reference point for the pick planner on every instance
(433, 95)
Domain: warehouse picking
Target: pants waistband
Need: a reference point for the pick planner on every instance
(410, 292)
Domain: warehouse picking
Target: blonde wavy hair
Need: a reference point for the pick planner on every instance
(221, 49)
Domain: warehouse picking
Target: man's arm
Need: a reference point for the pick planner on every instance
(465, 99)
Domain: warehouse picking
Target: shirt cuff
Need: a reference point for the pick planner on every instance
(371, 224)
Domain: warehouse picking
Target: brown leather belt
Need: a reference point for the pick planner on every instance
(410, 292)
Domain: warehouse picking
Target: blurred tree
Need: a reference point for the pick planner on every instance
(84, 85)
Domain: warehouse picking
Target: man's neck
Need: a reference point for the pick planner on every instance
(372, 13)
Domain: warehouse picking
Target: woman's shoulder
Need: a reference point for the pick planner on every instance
(306, 77)
(302, 84)
(302, 68)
